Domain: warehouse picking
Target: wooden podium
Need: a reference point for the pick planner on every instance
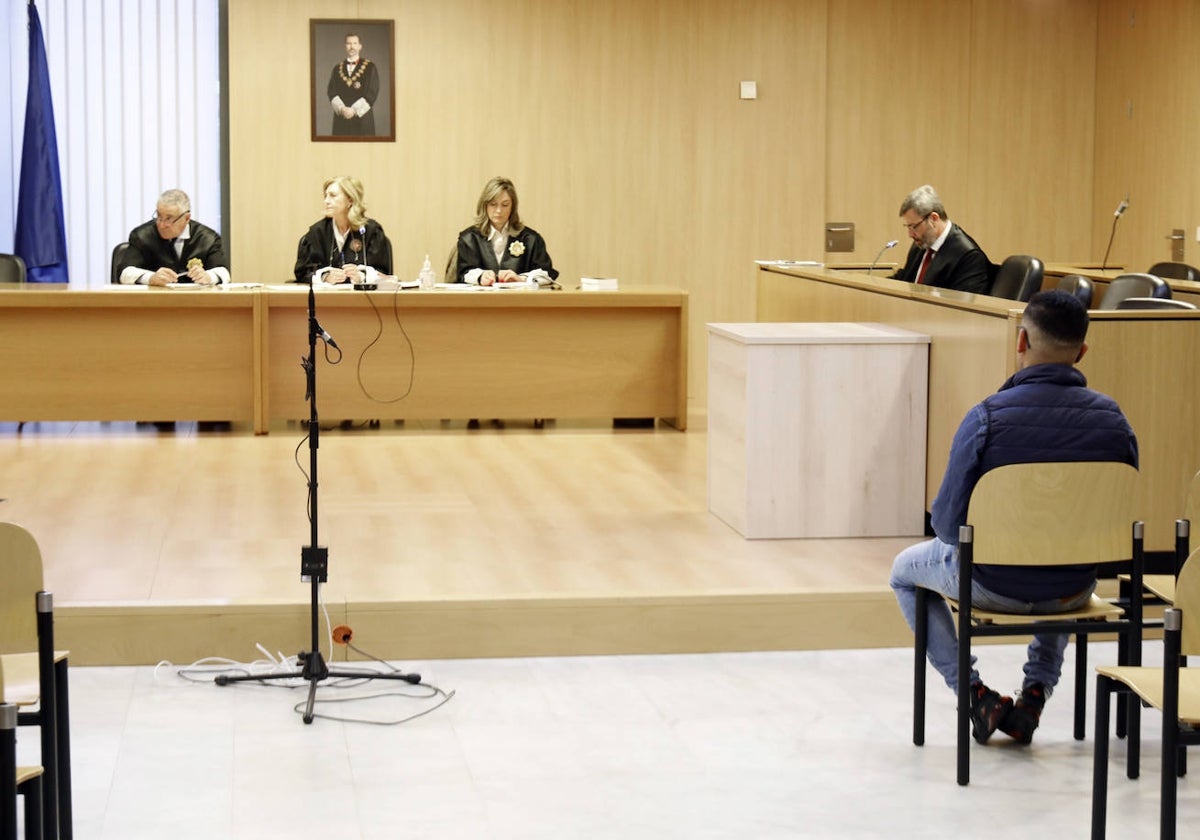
(817, 429)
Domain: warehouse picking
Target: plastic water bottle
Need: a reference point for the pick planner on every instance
(428, 276)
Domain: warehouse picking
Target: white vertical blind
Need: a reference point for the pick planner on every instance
(136, 87)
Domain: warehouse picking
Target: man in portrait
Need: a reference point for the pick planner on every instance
(353, 88)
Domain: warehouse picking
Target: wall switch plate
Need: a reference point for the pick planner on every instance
(749, 90)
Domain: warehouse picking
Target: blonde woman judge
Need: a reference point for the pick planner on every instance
(498, 247)
(345, 246)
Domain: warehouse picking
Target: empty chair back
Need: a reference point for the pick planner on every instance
(1187, 599)
(1133, 285)
(118, 254)
(1079, 286)
(1018, 278)
(12, 269)
(1154, 303)
(1174, 271)
(21, 571)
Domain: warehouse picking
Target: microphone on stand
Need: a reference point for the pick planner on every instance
(1117, 214)
(362, 284)
(891, 244)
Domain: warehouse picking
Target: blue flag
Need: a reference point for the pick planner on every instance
(41, 237)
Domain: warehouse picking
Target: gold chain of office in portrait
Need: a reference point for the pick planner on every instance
(353, 80)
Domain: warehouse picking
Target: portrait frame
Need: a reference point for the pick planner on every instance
(327, 50)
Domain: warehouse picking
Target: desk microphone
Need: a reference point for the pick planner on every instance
(1120, 211)
(891, 244)
(362, 284)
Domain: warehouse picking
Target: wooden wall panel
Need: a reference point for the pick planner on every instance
(896, 115)
(1032, 128)
(1148, 87)
(619, 122)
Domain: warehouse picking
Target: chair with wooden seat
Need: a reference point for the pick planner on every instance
(1173, 689)
(1039, 515)
(15, 780)
(29, 658)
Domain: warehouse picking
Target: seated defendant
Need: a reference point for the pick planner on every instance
(942, 254)
(173, 248)
(498, 248)
(1044, 412)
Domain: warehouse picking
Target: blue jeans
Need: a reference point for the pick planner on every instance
(933, 565)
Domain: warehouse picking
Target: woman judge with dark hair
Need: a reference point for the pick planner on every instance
(498, 248)
(345, 246)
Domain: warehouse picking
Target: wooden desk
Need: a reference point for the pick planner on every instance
(135, 353)
(483, 354)
(129, 354)
(1180, 289)
(1148, 361)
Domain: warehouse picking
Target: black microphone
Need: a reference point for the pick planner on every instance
(1120, 211)
(892, 244)
(324, 336)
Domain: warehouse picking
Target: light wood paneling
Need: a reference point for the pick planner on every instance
(1147, 128)
(968, 357)
(897, 117)
(619, 122)
(1031, 128)
(1146, 361)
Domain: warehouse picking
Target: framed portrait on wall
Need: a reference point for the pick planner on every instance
(352, 80)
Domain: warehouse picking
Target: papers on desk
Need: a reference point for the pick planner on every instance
(522, 286)
(791, 263)
(598, 284)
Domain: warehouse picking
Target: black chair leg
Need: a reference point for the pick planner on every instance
(920, 644)
(1081, 654)
(1100, 759)
(32, 793)
(63, 747)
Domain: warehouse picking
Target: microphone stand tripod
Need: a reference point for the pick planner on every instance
(314, 558)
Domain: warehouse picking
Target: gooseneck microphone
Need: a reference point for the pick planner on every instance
(891, 244)
(1117, 214)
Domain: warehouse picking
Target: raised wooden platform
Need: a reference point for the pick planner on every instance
(444, 542)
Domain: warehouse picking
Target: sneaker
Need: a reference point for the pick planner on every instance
(1022, 719)
(988, 708)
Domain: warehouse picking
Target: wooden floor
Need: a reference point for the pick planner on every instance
(444, 542)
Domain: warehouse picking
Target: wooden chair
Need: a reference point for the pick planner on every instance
(28, 656)
(1048, 514)
(17, 781)
(1174, 689)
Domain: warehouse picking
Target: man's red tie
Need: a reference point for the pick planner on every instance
(924, 264)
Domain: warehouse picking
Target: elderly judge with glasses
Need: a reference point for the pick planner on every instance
(173, 248)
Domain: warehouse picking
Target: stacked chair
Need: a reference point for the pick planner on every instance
(17, 781)
(1173, 689)
(36, 672)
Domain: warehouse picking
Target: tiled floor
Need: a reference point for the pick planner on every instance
(759, 745)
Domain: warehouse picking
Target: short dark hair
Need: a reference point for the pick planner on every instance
(1059, 316)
